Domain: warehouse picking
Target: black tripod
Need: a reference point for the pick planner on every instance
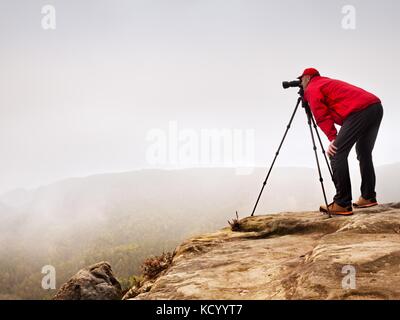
(310, 119)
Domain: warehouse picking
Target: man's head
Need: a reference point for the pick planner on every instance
(307, 75)
(305, 80)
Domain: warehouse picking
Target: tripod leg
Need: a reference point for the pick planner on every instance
(309, 117)
(322, 147)
(276, 155)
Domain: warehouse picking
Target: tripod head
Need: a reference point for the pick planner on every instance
(304, 103)
(301, 92)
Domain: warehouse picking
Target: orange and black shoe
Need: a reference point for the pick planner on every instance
(336, 209)
(364, 203)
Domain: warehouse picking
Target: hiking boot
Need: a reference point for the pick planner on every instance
(363, 203)
(336, 209)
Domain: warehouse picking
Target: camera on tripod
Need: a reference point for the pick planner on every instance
(311, 123)
(291, 84)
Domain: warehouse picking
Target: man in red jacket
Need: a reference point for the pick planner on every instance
(359, 113)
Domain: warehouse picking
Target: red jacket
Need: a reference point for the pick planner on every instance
(331, 101)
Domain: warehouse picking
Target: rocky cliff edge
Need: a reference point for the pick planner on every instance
(290, 255)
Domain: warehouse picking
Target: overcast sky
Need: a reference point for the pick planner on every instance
(81, 99)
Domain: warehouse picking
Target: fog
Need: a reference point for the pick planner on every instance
(90, 167)
(126, 217)
(82, 99)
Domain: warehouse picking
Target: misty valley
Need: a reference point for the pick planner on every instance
(124, 218)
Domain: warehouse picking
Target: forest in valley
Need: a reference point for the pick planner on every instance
(124, 218)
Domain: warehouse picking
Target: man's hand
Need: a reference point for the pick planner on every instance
(332, 149)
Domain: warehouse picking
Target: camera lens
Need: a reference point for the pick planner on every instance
(291, 84)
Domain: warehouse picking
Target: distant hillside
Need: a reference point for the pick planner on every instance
(124, 217)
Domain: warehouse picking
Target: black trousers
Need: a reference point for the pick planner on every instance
(360, 128)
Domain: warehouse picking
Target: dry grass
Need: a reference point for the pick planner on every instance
(153, 266)
(235, 224)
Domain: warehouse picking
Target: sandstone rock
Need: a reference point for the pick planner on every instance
(96, 282)
(140, 288)
(302, 255)
(152, 268)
